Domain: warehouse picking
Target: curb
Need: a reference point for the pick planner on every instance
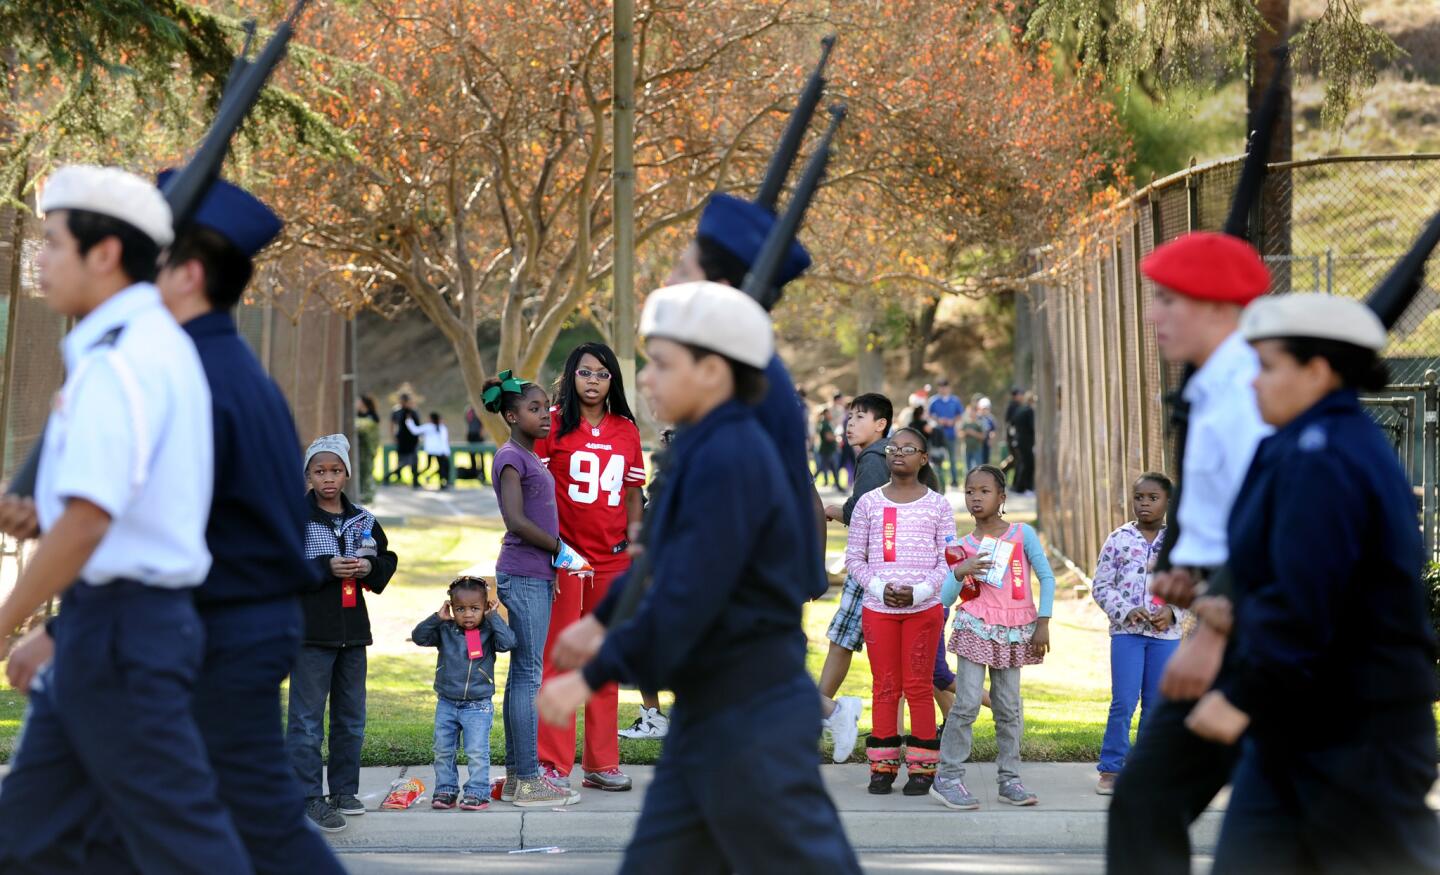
(573, 830)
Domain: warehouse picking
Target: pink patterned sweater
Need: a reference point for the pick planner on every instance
(915, 556)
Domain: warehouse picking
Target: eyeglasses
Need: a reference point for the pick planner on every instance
(893, 450)
(586, 373)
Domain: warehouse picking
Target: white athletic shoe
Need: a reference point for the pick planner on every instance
(650, 724)
(844, 726)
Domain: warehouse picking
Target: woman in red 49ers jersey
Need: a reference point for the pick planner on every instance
(593, 452)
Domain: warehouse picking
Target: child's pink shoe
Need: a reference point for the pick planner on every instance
(443, 801)
(471, 802)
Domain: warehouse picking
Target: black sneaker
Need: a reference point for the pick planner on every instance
(918, 785)
(347, 804)
(324, 815)
(881, 783)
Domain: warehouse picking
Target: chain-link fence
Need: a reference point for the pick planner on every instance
(307, 348)
(1332, 225)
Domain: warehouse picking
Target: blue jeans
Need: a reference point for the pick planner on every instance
(336, 673)
(1136, 664)
(471, 720)
(528, 600)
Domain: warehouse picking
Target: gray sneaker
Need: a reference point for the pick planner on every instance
(347, 803)
(1015, 793)
(540, 793)
(507, 790)
(324, 815)
(952, 794)
(610, 780)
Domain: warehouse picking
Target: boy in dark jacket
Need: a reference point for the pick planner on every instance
(468, 634)
(350, 552)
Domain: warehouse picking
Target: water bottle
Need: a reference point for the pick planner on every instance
(954, 553)
(368, 549)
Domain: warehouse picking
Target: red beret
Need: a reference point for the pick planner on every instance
(1209, 267)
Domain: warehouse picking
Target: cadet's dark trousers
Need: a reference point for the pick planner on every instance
(336, 674)
(1169, 778)
(249, 649)
(1357, 807)
(727, 798)
(112, 731)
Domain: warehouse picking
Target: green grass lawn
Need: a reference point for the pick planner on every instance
(1065, 699)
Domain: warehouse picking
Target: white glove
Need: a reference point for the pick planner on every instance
(877, 588)
(921, 592)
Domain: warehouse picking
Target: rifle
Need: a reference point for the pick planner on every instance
(187, 188)
(789, 147)
(760, 281)
(1393, 295)
(1237, 224)
(760, 285)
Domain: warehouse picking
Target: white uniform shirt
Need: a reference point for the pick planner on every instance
(1225, 429)
(131, 432)
(435, 439)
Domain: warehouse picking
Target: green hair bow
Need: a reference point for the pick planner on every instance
(508, 383)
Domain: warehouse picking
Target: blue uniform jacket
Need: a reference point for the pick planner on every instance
(258, 516)
(782, 415)
(723, 619)
(1326, 553)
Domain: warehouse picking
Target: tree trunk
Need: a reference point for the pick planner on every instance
(922, 331)
(871, 361)
(1273, 234)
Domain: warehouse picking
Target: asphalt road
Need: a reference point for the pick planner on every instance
(593, 864)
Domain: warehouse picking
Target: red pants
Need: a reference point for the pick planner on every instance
(576, 597)
(901, 648)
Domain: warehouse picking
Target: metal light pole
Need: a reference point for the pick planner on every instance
(623, 193)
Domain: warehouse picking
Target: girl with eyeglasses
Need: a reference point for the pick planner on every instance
(896, 553)
(593, 451)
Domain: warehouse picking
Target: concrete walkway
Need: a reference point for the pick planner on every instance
(394, 503)
(1070, 817)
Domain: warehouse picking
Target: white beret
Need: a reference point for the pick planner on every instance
(111, 192)
(1322, 317)
(713, 316)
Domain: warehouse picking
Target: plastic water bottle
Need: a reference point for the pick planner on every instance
(368, 549)
(954, 553)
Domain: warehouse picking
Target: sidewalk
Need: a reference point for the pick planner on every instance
(1070, 817)
(394, 504)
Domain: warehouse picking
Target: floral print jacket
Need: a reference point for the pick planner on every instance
(1122, 579)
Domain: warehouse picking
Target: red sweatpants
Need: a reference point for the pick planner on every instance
(901, 648)
(576, 597)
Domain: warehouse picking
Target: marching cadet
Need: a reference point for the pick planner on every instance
(1333, 673)
(721, 625)
(728, 240)
(1202, 282)
(122, 514)
(248, 602)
